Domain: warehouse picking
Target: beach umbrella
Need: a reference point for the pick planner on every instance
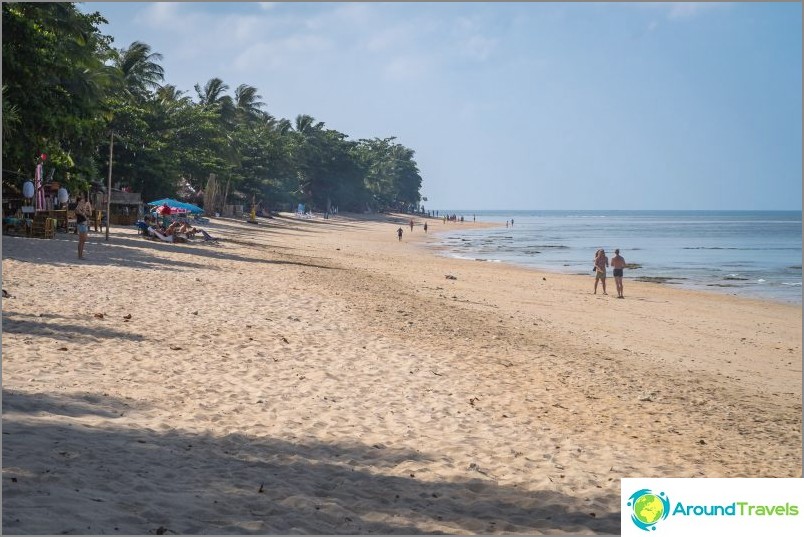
(175, 204)
(165, 210)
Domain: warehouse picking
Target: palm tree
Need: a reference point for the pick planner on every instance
(140, 70)
(212, 93)
(168, 94)
(246, 102)
(306, 124)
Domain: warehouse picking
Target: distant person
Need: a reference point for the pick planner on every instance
(411, 224)
(83, 210)
(399, 232)
(618, 263)
(512, 222)
(601, 262)
(506, 224)
(425, 227)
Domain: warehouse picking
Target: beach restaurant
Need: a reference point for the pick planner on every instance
(39, 210)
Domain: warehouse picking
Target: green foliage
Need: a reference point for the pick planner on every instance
(55, 79)
(68, 93)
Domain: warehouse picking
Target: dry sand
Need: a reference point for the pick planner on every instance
(321, 377)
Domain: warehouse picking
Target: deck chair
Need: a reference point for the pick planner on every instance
(208, 237)
(158, 235)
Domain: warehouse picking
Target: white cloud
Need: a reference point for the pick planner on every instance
(684, 10)
(273, 54)
(161, 14)
(407, 68)
(478, 47)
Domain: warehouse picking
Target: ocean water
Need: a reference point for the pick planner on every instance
(753, 254)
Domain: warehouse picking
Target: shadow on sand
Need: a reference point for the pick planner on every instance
(246, 484)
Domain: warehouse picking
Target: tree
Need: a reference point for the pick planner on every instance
(56, 78)
(246, 103)
(139, 69)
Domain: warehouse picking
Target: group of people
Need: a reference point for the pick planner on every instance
(174, 228)
(617, 263)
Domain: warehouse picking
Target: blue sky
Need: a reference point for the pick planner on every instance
(521, 105)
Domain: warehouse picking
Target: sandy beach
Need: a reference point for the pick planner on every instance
(318, 376)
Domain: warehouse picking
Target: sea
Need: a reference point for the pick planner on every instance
(755, 254)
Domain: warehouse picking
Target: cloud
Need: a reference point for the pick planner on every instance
(160, 14)
(478, 47)
(471, 40)
(407, 68)
(684, 10)
(297, 49)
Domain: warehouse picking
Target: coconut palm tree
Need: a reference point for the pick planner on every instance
(246, 102)
(140, 71)
(170, 97)
(213, 93)
(306, 124)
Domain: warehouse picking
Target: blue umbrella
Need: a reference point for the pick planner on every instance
(170, 202)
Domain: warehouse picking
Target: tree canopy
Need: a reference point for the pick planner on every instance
(69, 93)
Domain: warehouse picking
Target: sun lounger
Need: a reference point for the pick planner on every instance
(158, 235)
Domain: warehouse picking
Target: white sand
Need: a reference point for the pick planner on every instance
(321, 377)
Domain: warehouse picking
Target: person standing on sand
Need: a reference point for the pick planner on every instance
(83, 209)
(399, 232)
(411, 224)
(601, 262)
(618, 263)
(425, 227)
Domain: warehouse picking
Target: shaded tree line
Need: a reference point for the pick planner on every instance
(69, 93)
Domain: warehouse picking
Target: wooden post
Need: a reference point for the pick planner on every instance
(225, 196)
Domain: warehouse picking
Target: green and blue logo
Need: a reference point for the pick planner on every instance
(648, 508)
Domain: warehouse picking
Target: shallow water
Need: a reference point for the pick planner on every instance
(754, 254)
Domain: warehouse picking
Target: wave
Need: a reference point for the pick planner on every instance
(748, 249)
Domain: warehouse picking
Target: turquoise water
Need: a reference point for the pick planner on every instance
(754, 254)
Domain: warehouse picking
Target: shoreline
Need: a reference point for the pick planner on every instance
(320, 376)
(435, 249)
(786, 294)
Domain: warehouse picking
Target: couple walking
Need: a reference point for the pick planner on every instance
(617, 262)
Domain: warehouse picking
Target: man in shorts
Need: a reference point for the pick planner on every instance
(618, 263)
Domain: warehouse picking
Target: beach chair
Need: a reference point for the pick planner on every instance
(208, 237)
(154, 233)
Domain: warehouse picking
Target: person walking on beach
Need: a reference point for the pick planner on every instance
(425, 227)
(411, 224)
(618, 264)
(83, 210)
(601, 262)
(399, 232)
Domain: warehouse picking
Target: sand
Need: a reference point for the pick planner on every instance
(321, 377)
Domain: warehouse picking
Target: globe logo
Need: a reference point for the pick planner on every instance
(648, 508)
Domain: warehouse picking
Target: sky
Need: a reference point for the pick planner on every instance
(520, 106)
